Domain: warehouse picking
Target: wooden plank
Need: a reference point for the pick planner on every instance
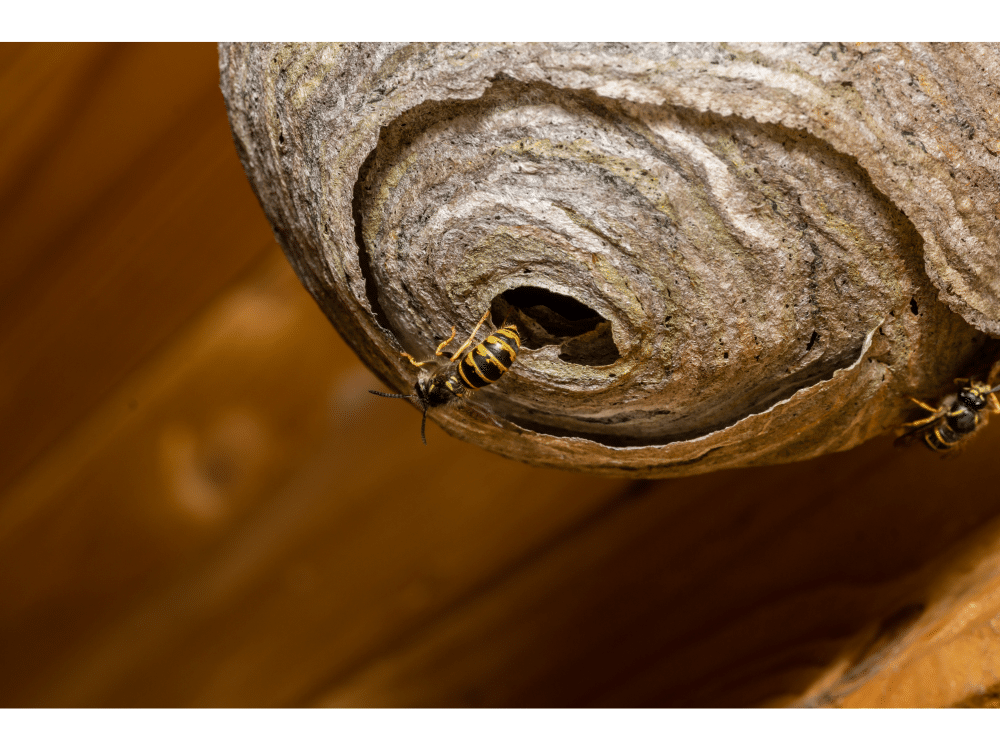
(734, 589)
(178, 454)
(46, 89)
(269, 619)
(201, 505)
(948, 655)
(126, 210)
(375, 533)
(155, 486)
(82, 121)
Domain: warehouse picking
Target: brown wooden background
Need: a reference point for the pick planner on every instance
(201, 505)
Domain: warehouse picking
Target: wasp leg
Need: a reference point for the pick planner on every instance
(994, 404)
(475, 330)
(922, 405)
(927, 420)
(445, 343)
(412, 360)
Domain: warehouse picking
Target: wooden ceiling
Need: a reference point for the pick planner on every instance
(201, 505)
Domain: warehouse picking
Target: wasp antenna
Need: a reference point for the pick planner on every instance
(390, 395)
(423, 427)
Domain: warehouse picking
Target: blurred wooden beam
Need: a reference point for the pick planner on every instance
(125, 211)
(754, 587)
(220, 495)
(200, 503)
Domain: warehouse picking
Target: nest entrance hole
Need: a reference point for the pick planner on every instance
(545, 318)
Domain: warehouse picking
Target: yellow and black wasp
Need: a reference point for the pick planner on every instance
(956, 418)
(482, 366)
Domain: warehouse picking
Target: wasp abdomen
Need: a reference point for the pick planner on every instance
(491, 359)
(941, 438)
(953, 428)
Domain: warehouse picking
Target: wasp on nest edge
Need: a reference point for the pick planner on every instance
(957, 417)
(482, 366)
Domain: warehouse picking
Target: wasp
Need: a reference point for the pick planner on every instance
(958, 416)
(482, 366)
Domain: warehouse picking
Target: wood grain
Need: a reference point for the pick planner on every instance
(729, 590)
(113, 150)
(203, 506)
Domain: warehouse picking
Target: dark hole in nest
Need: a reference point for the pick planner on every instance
(545, 318)
(812, 341)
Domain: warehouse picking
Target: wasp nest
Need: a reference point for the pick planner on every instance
(716, 255)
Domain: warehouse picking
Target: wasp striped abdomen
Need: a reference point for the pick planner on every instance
(491, 359)
(483, 365)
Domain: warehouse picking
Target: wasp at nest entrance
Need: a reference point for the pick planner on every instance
(545, 318)
(482, 366)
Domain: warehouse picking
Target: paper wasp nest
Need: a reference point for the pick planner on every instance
(717, 255)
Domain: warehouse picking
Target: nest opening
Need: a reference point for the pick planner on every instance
(545, 318)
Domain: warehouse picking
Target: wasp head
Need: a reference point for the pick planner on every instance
(973, 398)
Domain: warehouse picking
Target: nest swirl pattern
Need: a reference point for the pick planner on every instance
(717, 255)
